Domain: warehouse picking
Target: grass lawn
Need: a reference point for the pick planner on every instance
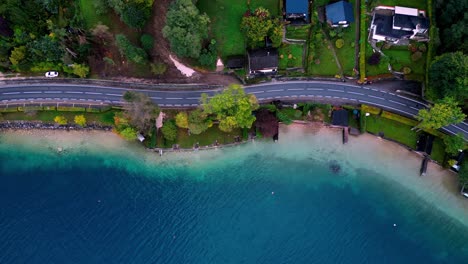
(226, 17)
(105, 118)
(206, 138)
(373, 70)
(420, 4)
(297, 32)
(89, 14)
(438, 150)
(290, 56)
(392, 129)
(400, 58)
(346, 54)
(326, 65)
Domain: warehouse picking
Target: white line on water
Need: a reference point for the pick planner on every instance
(74, 92)
(376, 97)
(332, 90)
(114, 94)
(32, 92)
(174, 98)
(296, 89)
(12, 93)
(355, 93)
(398, 103)
(314, 89)
(92, 93)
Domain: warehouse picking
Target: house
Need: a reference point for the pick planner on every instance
(297, 10)
(262, 61)
(340, 118)
(395, 24)
(339, 14)
(235, 62)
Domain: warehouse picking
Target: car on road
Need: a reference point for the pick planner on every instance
(51, 74)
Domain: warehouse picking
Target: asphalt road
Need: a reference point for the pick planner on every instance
(293, 91)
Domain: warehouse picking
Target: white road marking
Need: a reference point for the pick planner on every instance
(414, 108)
(114, 95)
(196, 98)
(74, 92)
(32, 92)
(412, 100)
(296, 89)
(341, 91)
(156, 97)
(279, 90)
(256, 92)
(395, 102)
(355, 93)
(314, 89)
(92, 93)
(12, 93)
(460, 128)
(53, 92)
(384, 106)
(376, 97)
(174, 98)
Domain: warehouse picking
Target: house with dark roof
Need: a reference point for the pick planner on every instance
(394, 24)
(339, 14)
(262, 61)
(297, 10)
(340, 118)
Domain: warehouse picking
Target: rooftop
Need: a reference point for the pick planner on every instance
(263, 59)
(297, 7)
(340, 118)
(339, 11)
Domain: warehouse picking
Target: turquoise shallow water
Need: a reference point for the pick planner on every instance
(259, 203)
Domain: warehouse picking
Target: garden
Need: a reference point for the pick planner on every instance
(297, 32)
(290, 56)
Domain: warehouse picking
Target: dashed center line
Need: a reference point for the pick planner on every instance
(92, 93)
(74, 92)
(376, 97)
(296, 89)
(355, 93)
(332, 90)
(314, 89)
(114, 94)
(395, 102)
(12, 93)
(174, 98)
(32, 92)
(278, 90)
(257, 92)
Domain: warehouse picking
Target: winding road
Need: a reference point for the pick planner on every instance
(292, 91)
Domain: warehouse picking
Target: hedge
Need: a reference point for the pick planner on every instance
(370, 109)
(71, 109)
(8, 110)
(362, 42)
(49, 108)
(432, 32)
(399, 118)
(33, 108)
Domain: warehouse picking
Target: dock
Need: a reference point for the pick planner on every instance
(345, 135)
(423, 169)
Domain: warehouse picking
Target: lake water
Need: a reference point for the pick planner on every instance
(263, 202)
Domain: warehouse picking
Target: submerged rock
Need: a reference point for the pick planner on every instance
(334, 167)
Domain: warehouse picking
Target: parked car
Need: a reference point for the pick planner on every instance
(51, 74)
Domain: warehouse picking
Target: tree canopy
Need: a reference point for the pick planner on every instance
(258, 25)
(454, 143)
(448, 76)
(140, 111)
(444, 113)
(185, 28)
(198, 122)
(452, 20)
(182, 120)
(131, 52)
(80, 120)
(233, 108)
(169, 130)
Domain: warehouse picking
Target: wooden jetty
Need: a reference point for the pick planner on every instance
(345, 135)
(423, 169)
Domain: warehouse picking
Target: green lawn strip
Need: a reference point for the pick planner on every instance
(290, 56)
(438, 150)
(346, 54)
(297, 32)
(327, 64)
(400, 58)
(105, 118)
(89, 14)
(206, 138)
(392, 130)
(225, 16)
(420, 4)
(373, 70)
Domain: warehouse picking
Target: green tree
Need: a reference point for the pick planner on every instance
(147, 42)
(129, 133)
(169, 130)
(259, 25)
(198, 122)
(140, 111)
(135, 15)
(80, 70)
(61, 120)
(17, 55)
(185, 28)
(132, 53)
(233, 108)
(80, 120)
(444, 113)
(182, 120)
(45, 49)
(454, 143)
(463, 174)
(448, 76)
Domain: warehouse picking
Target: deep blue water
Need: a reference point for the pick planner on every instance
(82, 208)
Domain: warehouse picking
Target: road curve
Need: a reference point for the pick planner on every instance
(293, 91)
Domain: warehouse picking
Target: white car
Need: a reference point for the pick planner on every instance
(51, 74)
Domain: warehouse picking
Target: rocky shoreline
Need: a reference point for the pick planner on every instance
(30, 125)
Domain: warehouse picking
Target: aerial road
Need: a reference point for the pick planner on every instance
(292, 91)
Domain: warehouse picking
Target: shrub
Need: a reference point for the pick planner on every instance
(370, 109)
(413, 48)
(283, 117)
(158, 68)
(406, 70)
(129, 133)
(127, 49)
(416, 56)
(182, 120)
(80, 120)
(374, 59)
(169, 130)
(332, 34)
(422, 47)
(61, 120)
(147, 42)
(339, 43)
